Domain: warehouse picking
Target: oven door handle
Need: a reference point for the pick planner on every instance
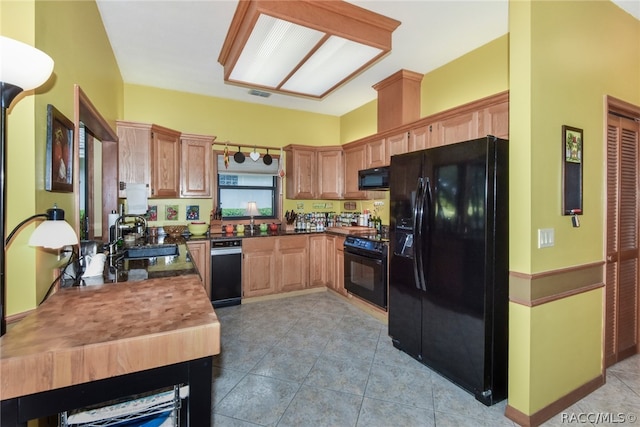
(363, 256)
(230, 251)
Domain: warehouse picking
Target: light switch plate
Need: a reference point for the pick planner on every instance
(546, 237)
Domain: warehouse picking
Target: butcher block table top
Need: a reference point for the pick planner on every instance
(89, 333)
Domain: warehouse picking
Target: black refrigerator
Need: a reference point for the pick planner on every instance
(448, 272)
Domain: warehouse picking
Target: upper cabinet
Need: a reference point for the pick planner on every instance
(354, 160)
(314, 172)
(149, 154)
(196, 165)
(376, 153)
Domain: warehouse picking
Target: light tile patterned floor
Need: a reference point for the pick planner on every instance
(316, 360)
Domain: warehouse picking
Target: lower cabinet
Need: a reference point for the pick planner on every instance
(273, 265)
(338, 281)
(259, 266)
(292, 260)
(200, 250)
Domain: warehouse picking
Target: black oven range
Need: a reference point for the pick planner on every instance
(365, 268)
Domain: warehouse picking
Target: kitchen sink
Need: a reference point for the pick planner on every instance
(150, 251)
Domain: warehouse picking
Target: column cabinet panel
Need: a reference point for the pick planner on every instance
(354, 160)
(292, 263)
(258, 266)
(200, 252)
(196, 165)
(339, 266)
(318, 260)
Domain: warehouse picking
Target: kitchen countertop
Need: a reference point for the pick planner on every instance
(88, 333)
(341, 231)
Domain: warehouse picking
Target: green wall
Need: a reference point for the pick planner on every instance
(73, 35)
(560, 74)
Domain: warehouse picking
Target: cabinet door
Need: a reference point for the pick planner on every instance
(339, 276)
(301, 170)
(460, 128)
(397, 144)
(330, 261)
(422, 137)
(134, 155)
(317, 261)
(330, 170)
(165, 164)
(376, 153)
(354, 160)
(293, 263)
(259, 266)
(495, 121)
(195, 169)
(200, 251)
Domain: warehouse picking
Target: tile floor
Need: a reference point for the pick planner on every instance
(316, 360)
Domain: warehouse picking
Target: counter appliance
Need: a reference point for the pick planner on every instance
(365, 268)
(448, 290)
(226, 272)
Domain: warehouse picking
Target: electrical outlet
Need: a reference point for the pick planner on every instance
(378, 204)
(546, 237)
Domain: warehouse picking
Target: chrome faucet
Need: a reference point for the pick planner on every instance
(138, 225)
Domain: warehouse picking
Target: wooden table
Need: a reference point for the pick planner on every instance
(92, 344)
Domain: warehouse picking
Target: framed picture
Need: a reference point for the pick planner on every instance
(572, 160)
(59, 163)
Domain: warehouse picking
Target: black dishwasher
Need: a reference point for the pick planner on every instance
(226, 272)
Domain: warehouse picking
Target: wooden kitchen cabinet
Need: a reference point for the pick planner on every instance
(292, 263)
(318, 271)
(200, 251)
(376, 153)
(301, 172)
(495, 120)
(196, 165)
(422, 137)
(338, 281)
(259, 266)
(149, 154)
(462, 127)
(397, 144)
(314, 172)
(330, 170)
(354, 160)
(330, 261)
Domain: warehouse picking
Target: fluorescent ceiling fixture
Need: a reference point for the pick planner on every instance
(331, 64)
(302, 47)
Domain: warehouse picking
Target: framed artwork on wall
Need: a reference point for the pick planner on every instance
(572, 161)
(59, 156)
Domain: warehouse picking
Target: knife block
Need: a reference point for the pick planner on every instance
(215, 226)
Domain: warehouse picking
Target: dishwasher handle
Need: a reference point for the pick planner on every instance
(225, 251)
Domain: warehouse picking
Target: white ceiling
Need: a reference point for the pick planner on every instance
(175, 44)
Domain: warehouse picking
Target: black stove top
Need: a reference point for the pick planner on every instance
(369, 243)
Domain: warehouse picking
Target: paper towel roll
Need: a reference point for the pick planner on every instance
(112, 219)
(136, 198)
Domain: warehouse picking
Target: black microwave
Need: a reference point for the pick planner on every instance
(374, 179)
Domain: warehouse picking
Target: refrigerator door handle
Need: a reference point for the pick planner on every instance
(418, 214)
(425, 224)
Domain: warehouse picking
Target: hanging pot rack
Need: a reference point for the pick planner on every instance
(238, 146)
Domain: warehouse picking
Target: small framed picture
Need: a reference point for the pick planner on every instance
(59, 161)
(572, 160)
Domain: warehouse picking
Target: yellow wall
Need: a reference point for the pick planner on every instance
(559, 76)
(238, 122)
(73, 35)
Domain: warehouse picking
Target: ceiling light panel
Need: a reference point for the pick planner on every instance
(336, 60)
(274, 48)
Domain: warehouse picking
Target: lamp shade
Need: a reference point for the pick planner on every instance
(252, 209)
(23, 65)
(53, 234)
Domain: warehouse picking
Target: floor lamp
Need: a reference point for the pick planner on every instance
(22, 68)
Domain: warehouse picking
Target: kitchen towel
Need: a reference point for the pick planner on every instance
(136, 198)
